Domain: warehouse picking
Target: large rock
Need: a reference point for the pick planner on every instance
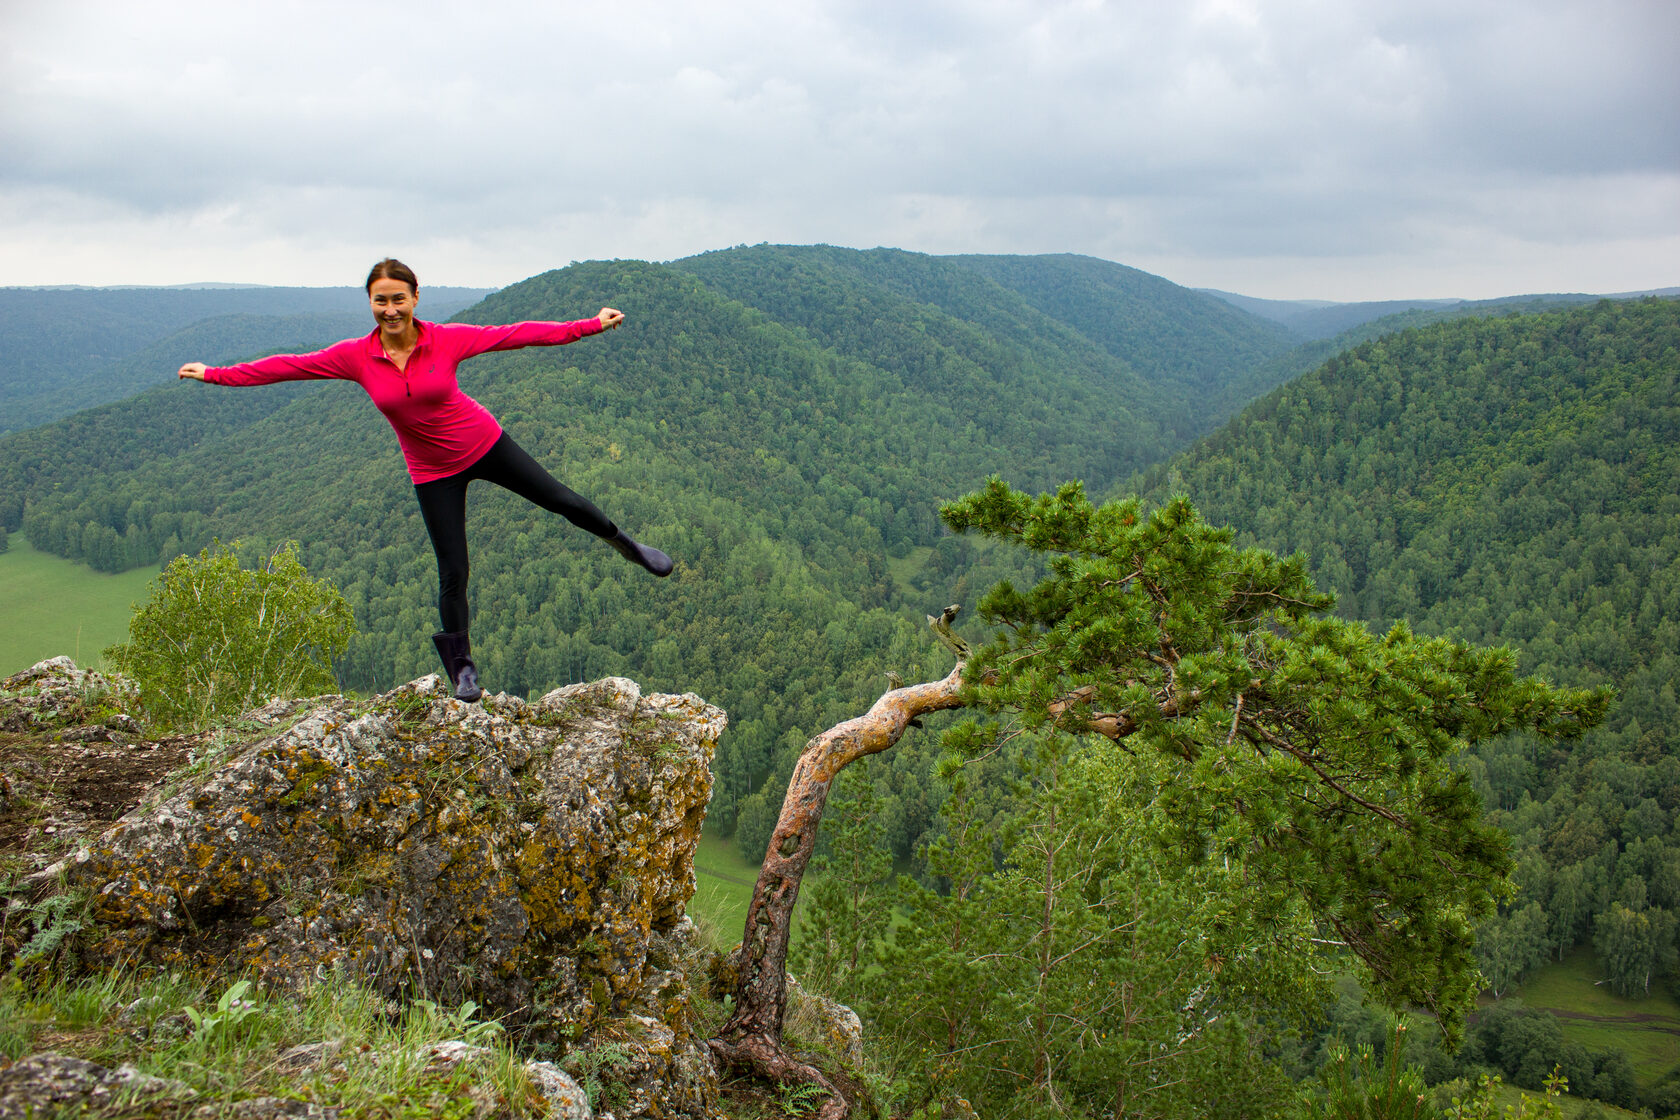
(54, 1084)
(524, 856)
(56, 694)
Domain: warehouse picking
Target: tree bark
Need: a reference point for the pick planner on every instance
(752, 1038)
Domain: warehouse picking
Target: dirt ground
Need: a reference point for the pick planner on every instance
(57, 791)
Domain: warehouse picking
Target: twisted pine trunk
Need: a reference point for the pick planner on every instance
(752, 1038)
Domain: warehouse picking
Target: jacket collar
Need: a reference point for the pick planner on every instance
(376, 349)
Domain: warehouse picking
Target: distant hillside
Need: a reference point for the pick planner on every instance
(1324, 319)
(1180, 356)
(1188, 344)
(62, 350)
(785, 422)
(1508, 480)
(223, 339)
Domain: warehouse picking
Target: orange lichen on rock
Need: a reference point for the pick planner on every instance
(524, 856)
(536, 858)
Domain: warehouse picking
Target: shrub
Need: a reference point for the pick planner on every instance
(216, 638)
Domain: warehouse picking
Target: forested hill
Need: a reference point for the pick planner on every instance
(785, 424)
(1508, 481)
(64, 350)
(1140, 318)
(38, 398)
(1178, 355)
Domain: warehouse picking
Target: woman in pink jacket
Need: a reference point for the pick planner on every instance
(448, 439)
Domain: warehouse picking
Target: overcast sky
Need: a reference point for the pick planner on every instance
(1335, 150)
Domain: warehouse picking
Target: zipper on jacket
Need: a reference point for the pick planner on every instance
(403, 371)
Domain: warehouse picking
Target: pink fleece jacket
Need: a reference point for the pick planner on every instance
(441, 429)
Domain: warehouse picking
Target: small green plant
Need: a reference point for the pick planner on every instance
(56, 920)
(1480, 1104)
(802, 1100)
(460, 1024)
(588, 1065)
(231, 1010)
(1360, 1087)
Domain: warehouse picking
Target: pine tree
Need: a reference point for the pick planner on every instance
(1308, 753)
(1312, 752)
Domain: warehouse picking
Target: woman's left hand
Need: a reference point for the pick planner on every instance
(610, 317)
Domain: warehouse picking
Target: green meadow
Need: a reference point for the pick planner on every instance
(1646, 1030)
(723, 890)
(50, 606)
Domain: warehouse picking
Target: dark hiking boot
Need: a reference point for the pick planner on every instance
(456, 652)
(652, 559)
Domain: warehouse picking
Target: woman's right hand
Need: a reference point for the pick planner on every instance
(192, 370)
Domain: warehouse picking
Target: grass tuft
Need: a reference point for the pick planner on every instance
(224, 1042)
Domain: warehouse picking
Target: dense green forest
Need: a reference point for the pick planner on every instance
(64, 350)
(1177, 354)
(784, 421)
(1509, 481)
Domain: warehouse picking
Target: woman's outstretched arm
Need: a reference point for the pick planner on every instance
(336, 361)
(466, 340)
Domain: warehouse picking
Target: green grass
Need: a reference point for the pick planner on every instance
(724, 890)
(50, 606)
(904, 568)
(384, 1073)
(1646, 1030)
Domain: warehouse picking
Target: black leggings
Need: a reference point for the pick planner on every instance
(443, 506)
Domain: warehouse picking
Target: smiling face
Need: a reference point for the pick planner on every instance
(392, 302)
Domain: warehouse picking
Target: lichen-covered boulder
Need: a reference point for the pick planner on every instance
(647, 1062)
(54, 1084)
(521, 855)
(55, 693)
(815, 1015)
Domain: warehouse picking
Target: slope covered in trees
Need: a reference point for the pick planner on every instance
(63, 350)
(1140, 318)
(1173, 353)
(1508, 481)
(785, 423)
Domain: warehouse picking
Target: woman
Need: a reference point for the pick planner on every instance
(448, 439)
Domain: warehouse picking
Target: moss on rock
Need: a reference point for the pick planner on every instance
(521, 856)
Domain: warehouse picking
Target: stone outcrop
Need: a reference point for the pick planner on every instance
(535, 858)
(56, 694)
(54, 1084)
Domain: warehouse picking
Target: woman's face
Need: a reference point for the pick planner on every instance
(393, 303)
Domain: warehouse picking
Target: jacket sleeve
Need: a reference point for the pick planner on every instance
(330, 363)
(467, 339)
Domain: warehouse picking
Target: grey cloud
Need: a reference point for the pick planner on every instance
(1213, 128)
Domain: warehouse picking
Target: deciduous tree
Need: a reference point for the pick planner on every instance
(216, 638)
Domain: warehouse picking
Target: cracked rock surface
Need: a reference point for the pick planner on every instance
(533, 857)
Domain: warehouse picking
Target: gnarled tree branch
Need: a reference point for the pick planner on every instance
(752, 1038)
